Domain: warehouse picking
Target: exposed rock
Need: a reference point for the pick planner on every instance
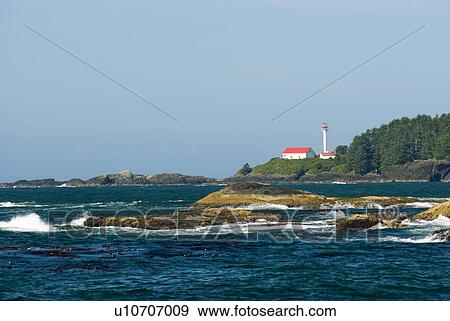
(420, 170)
(253, 193)
(74, 182)
(433, 213)
(393, 224)
(252, 178)
(176, 178)
(46, 182)
(126, 174)
(442, 235)
(99, 180)
(127, 178)
(124, 178)
(260, 189)
(357, 221)
(328, 177)
(192, 218)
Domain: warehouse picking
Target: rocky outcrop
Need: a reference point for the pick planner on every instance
(176, 178)
(127, 178)
(193, 218)
(74, 182)
(240, 194)
(433, 213)
(441, 235)
(366, 221)
(393, 224)
(420, 170)
(260, 178)
(99, 180)
(261, 189)
(326, 177)
(219, 208)
(46, 182)
(340, 177)
(357, 221)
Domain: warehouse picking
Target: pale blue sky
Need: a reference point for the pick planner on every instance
(224, 68)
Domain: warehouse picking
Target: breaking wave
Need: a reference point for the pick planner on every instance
(8, 204)
(440, 221)
(336, 206)
(79, 221)
(420, 204)
(426, 239)
(256, 207)
(26, 223)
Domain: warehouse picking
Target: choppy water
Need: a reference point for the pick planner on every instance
(304, 261)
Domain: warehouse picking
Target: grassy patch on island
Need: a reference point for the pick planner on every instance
(288, 167)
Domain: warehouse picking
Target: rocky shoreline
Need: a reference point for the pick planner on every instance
(225, 207)
(417, 171)
(196, 217)
(124, 178)
(222, 207)
(366, 221)
(244, 194)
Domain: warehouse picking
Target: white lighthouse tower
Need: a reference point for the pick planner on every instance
(324, 136)
(326, 154)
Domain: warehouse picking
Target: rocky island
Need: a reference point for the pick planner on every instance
(241, 194)
(124, 178)
(223, 207)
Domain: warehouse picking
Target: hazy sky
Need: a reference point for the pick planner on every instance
(224, 68)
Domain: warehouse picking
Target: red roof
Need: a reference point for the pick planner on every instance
(328, 153)
(296, 150)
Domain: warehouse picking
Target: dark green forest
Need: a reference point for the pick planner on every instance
(401, 141)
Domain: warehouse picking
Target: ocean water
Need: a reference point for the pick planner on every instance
(47, 254)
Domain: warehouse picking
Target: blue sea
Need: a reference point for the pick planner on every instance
(47, 254)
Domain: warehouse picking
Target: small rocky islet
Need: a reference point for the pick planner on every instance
(227, 206)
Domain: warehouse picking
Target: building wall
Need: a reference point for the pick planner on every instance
(310, 154)
(327, 156)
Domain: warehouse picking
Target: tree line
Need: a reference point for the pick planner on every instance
(398, 142)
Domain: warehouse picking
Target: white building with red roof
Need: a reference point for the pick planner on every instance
(298, 153)
(308, 152)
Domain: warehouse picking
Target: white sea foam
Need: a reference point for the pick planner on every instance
(8, 204)
(11, 204)
(256, 207)
(440, 221)
(316, 226)
(426, 239)
(26, 223)
(336, 206)
(79, 221)
(420, 204)
(433, 199)
(372, 205)
(378, 226)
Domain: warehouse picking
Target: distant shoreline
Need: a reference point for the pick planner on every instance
(414, 172)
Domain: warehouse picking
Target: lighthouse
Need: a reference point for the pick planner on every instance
(325, 154)
(324, 136)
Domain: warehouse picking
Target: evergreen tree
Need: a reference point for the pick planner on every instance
(361, 153)
(245, 170)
